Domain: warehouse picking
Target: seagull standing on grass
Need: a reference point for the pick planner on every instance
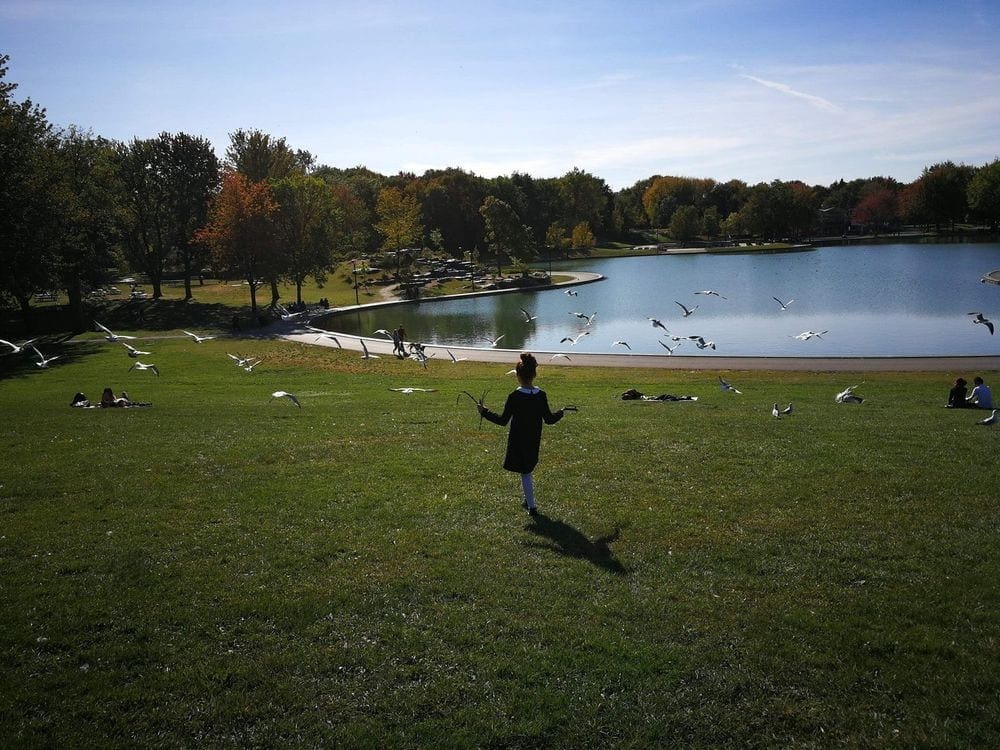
(991, 419)
(197, 339)
(137, 365)
(285, 394)
(18, 348)
(687, 312)
(43, 361)
(775, 412)
(788, 409)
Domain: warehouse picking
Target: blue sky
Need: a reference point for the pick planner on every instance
(756, 91)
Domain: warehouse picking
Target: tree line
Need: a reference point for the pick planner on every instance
(76, 207)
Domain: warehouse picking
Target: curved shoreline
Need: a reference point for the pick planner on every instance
(381, 346)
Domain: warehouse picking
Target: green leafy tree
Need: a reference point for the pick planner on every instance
(505, 234)
(398, 220)
(939, 195)
(305, 223)
(555, 237)
(711, 223)
(261, 156)
(88, 229)
(582, 238)
(983, 194)
(664, 196)
(29, 211)
(585, 198)
(685, 223)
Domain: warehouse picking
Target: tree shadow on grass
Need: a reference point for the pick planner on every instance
(565, 539)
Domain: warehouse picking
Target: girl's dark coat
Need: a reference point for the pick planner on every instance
(525, 412)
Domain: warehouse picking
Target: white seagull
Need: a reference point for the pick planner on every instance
(413, 390)
(284, 394)
(528, 317)
(240, 361)
(132, 351)
(583, 316)
(455, 360)
(847, 396)
(775, 412)
(711, 292)
(383, 332)
(332, 338)
(494, 342)
(784, 305)
(18, 348)
(111, 335)
(570, 292)
(788, 409)
(554, 356)
(991, 419)
(43, 361)
(622, 343)
(250, 365)
(725, 386)
(806, 335)
(657, 324)
(367, 354)
(137, 365)
(687, 311)
(573, 340)
(197, 339)
(669, 350)
(985, 321)
(701, 343)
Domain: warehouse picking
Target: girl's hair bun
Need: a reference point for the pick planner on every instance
(528, 366)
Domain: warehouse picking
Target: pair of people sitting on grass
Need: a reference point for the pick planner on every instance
(980, 398)
(108, 401)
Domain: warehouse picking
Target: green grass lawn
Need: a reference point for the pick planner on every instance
(225, 570)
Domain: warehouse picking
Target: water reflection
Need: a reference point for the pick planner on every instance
(890, 300)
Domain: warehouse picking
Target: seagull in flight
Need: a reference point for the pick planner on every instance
(455, 360)
(554, 356)
(132, 351)
(111, 335)
(367, 354)
(701, 343)
(528, 317)
(622, 343)
(494, 342)
(239, 360)
(17, 348)
(413, 390)
(657, 324)
(687, 311)
(573, 340)
(285, 314)
(570, 293)
(326, 334)
(43, 361)
(984, 321)
(711, 292)
(137, 365)
(383, 332)
(669, 350)
(784, 305)
(583, 316)
(991, 419)
(806, 335)
(284, 394)
(847, 396)
(250, 365)
(725, 385)
(197, 339)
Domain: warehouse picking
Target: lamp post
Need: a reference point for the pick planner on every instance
(354, 266)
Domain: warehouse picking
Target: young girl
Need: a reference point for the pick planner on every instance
(526, 408)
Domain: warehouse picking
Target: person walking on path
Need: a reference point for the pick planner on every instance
(526, 409)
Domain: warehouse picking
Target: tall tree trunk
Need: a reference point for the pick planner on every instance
(275, 295)
(298, 291)
(75, 295)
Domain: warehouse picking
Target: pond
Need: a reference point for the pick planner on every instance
(870, 300)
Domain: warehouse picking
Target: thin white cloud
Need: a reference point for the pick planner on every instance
(653, 149)
(816, 101)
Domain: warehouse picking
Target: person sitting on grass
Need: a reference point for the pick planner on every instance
(957, 394)
(981, 396)
(108, 400)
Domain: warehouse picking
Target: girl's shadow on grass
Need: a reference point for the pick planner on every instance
(566, 540)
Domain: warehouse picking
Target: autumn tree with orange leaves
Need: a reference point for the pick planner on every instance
(240, 231)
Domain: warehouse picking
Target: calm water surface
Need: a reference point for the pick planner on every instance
(874, 300)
